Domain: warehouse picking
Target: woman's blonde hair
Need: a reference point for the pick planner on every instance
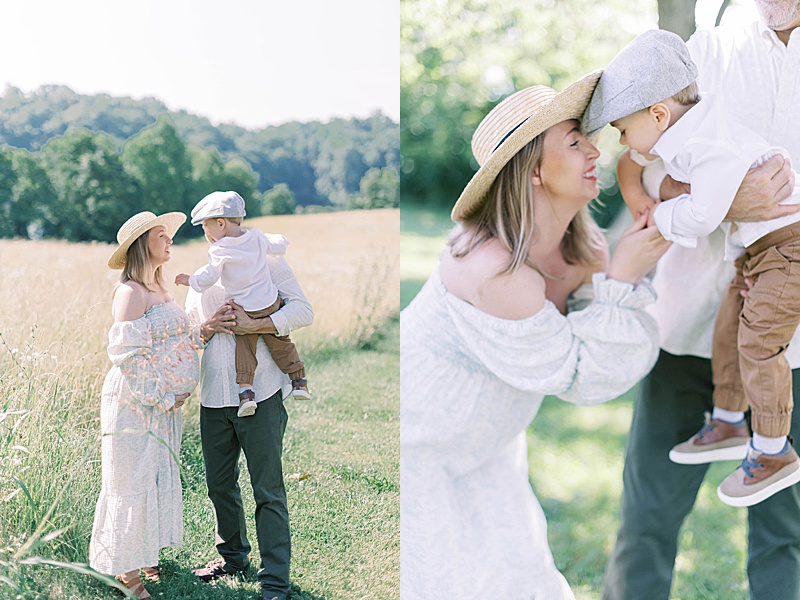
(137, 265)
(507, 216)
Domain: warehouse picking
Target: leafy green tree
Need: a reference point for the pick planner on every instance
(380, 188)
(33, 198)
(94, 193)
(158, 161)
(8, 180)
(210, 173)
(278, 201)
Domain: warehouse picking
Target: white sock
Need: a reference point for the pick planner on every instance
(768, 445)
(245, 388)
(729, 416)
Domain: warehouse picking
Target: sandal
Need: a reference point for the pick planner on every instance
(151, 573)
(135, 585)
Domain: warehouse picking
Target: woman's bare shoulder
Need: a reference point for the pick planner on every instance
(477, 278)
(129, 302)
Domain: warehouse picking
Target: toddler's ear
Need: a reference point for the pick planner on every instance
(661, 115)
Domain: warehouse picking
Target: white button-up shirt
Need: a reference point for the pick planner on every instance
(712, 152)
(757, 79)
(218, 387)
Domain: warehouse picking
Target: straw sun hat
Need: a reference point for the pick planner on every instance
(511, 125)
(136, 226)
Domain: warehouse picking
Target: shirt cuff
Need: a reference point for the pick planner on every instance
(168, 401)
(663, 217)
(281, 324)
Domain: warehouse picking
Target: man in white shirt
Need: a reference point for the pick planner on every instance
(224, 435)
(756, 71)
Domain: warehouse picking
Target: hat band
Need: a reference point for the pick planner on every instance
(506, 136)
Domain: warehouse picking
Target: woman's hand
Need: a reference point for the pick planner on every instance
(179, 401)
(221, 321)
(245, 324)
(761, 192)
(637, 252)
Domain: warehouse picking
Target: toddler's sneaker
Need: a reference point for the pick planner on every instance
(247, 404)
(717, 440)
(760, 476)
(300, 389)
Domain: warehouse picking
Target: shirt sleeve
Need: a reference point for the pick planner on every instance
(209, 274)
(589, 356)
(276, 243)
(296, 311)
(130, 347)
(715, 174)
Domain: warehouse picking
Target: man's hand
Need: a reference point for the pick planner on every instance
(222, 321)
(182, 279)
(672, 189)
(245, 324)
(761, 192)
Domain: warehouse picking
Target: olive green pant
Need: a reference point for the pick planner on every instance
(260, 436)
(658, 494)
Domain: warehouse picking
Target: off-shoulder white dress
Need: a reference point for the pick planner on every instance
(470, 384)
(139, 510)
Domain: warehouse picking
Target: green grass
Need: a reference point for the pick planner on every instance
(341, 464)
(576, 457)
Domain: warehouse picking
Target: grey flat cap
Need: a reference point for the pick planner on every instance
(218, 204)
(653, 67)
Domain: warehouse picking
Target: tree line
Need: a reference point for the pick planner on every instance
(75, 167)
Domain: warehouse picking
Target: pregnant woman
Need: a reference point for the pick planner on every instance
(155, 368)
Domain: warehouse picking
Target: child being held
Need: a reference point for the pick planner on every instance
(238, 258)
(650, 95)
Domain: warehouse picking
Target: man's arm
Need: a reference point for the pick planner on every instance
(295, 313)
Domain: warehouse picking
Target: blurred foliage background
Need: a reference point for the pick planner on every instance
(458, 58)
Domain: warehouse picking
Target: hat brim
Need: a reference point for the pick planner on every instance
(170, 221)
(567, 104)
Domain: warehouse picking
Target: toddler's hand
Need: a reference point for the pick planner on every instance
(182, 279)
(639, 204)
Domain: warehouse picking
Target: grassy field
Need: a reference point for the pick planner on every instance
(576, 456)
(341, 450)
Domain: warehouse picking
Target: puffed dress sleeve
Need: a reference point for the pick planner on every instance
(589, 356)
(130, 348)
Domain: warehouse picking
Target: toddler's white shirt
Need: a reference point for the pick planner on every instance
(712, 151)
(240, 263)
(756, 76)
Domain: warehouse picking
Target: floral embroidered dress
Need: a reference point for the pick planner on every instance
(470, 384)
(140, 509)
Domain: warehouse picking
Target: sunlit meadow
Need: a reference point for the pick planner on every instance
(341, 449)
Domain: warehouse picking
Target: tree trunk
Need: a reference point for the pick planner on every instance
(677, 16)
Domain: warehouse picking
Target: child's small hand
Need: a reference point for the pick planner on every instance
(640, 203)
(651, 219)
(182, 279)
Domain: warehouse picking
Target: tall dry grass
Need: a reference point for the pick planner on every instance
(56, 303)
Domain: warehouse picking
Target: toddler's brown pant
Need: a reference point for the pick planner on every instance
(281, 348)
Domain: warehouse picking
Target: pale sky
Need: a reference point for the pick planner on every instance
(251, 62)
